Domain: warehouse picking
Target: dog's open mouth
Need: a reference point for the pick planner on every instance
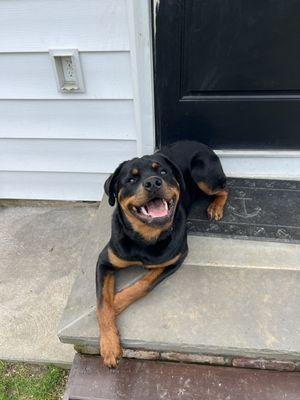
(157, 210)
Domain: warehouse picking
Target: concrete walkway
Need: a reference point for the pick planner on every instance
(41, 244)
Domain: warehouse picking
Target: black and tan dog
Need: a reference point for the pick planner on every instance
(153, 195)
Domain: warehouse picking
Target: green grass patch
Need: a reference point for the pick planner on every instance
(20, 381)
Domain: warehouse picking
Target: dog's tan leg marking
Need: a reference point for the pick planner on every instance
(110, 348)
(134, 292)
(215, 209)
(139, 289)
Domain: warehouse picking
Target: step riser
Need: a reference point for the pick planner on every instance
(144, 380)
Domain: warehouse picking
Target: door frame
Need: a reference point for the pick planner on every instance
(237, 163)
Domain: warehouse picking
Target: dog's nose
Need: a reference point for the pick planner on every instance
(152, 184)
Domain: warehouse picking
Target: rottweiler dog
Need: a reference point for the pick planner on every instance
(153, 195)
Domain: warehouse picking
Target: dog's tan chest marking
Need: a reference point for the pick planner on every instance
(118, 262)
(164, 264)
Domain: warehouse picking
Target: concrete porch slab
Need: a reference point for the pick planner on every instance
(230, 298)
(41, 245)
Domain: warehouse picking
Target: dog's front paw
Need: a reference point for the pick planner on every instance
(111, 351)
(215, 211)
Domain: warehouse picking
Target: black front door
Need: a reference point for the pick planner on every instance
(227, 73)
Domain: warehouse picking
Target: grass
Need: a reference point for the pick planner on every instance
(20, 381)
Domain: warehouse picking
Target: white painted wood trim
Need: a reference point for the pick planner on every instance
(261, 164)
(140, 37)
(258, 153)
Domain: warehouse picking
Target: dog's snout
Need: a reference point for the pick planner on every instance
(152, 184)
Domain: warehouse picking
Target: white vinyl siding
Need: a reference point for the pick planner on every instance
(88, 25)
(30, 76)
(46, 185)
(54, 145)
(87, 119)
(52, 155)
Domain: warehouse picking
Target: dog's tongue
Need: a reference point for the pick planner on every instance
(156, 208)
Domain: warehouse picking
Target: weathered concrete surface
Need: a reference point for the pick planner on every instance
(41, 245)
(231, 297)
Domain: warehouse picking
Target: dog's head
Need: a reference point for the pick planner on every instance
(147, 190)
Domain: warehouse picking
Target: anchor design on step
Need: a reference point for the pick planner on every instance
(244, 212)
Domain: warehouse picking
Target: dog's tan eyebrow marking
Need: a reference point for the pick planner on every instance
(154, 165)
(134, 171)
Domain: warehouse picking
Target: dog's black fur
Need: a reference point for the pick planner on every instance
(175, 174)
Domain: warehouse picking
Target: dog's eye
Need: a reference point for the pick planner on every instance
(163, 172)
(131, 180)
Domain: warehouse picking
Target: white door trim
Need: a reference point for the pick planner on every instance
(261, 164)
(242, 163)
(140, 36)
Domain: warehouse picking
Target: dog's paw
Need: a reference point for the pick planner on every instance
(110, 351)
(215, 211)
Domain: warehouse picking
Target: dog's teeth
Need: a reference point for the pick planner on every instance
(144, 210)
(134, 209)
(165, 204)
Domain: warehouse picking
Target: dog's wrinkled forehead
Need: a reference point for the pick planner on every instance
(143, 167)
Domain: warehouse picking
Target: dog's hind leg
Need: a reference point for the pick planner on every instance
(208, 174)
(110, 348)
(216, 207)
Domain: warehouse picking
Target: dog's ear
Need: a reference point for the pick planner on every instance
(175, 170)
(110, 185)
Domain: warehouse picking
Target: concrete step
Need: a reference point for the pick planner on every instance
(231, 299)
